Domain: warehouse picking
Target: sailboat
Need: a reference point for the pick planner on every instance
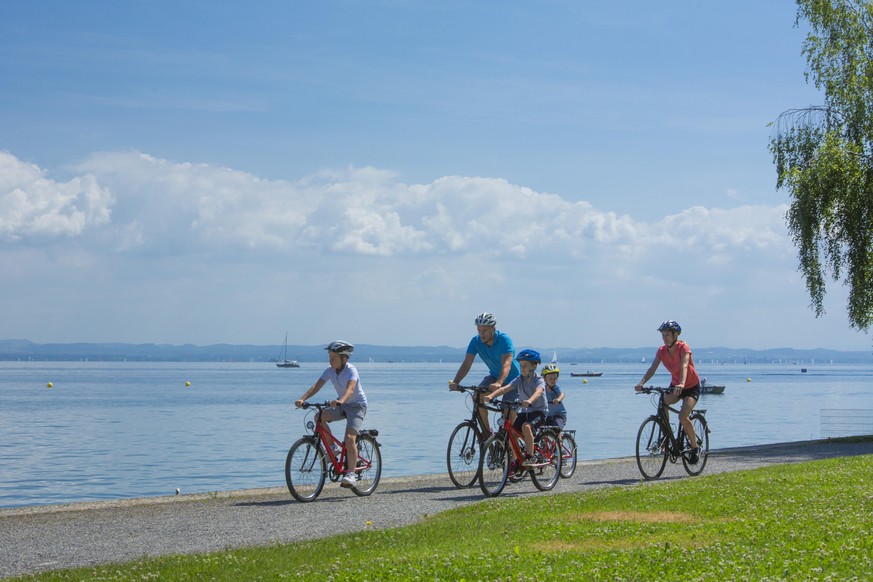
(554, 357)
(283, 361)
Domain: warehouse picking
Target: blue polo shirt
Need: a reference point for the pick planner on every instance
(493, 355)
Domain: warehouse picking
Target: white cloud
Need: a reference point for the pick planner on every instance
(33, 205)
(175, 208)
(153, 250)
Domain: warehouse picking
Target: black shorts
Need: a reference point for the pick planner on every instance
(558, 420)
(534, 418)
(693, 392)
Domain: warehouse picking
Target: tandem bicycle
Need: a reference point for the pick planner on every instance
(503, 453)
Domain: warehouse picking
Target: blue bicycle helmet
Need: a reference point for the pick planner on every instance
(529, 356)
(670, 325)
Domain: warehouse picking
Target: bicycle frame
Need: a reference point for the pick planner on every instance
(327, 440)
(513, 435)
(657, 441)
(477, 405)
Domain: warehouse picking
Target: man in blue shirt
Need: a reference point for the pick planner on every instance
(496, 350)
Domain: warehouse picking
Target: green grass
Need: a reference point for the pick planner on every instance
(809, 521)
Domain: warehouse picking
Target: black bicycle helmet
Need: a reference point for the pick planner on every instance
(670, 325)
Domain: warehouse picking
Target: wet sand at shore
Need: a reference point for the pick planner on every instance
(34, 539)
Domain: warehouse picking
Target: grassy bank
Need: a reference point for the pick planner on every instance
(802, 521)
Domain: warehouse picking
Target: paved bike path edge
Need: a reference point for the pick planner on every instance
(41, 538)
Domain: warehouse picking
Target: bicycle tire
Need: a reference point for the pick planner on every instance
(652, 448)
(569, 455)
(369, 466)
(493, 466)
(547, 449)
(305, 470)
(462, 455)
(701, 430)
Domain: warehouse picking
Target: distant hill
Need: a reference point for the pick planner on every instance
(14, 350)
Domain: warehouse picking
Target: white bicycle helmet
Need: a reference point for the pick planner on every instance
(340, 347)
(486, 318)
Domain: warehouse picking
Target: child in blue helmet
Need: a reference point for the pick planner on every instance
(532, 393)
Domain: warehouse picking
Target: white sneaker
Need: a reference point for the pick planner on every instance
(348, 480)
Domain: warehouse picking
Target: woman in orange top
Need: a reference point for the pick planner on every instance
(676, 357)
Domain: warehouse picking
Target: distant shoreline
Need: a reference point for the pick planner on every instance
(25, 350)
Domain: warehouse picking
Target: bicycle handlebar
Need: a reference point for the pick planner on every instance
(480, 389)
(318, 405)
(507, 404)
(657, 389)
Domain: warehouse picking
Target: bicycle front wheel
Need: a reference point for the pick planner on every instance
(305, 470)
(493, 466)
(652, 448)
(547, 459)
(462, 455)
(701, 430)
(568, 455)
(368, 470)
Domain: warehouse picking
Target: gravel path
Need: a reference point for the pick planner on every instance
(35, 539)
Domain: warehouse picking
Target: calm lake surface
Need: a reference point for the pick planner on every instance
(123, 430)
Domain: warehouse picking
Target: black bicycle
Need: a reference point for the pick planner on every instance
(465, 443)
(656, 441)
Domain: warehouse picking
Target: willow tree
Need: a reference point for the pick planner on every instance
(824, 156)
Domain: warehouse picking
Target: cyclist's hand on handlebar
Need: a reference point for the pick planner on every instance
(298, 403)
(453, 386)
(639, 387)
(487, 398)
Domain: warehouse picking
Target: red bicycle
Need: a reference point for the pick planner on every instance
(503, 451)
(319, 455)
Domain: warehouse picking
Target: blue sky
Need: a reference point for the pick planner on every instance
(206, 172)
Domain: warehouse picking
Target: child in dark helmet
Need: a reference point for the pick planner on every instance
(350, 403)
(531, 392)
(676, 357)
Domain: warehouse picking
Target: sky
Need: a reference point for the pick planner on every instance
(382, 171)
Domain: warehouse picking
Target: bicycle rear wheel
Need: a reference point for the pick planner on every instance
(547, 456)
(701, 430)
(652, 448)
(493, 466)
(568, 455)
(368, 470)
(305, 470)
(462, 455)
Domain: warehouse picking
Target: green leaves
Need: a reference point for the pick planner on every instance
(824, 156)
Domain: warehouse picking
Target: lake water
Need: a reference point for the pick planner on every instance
(122, 430)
